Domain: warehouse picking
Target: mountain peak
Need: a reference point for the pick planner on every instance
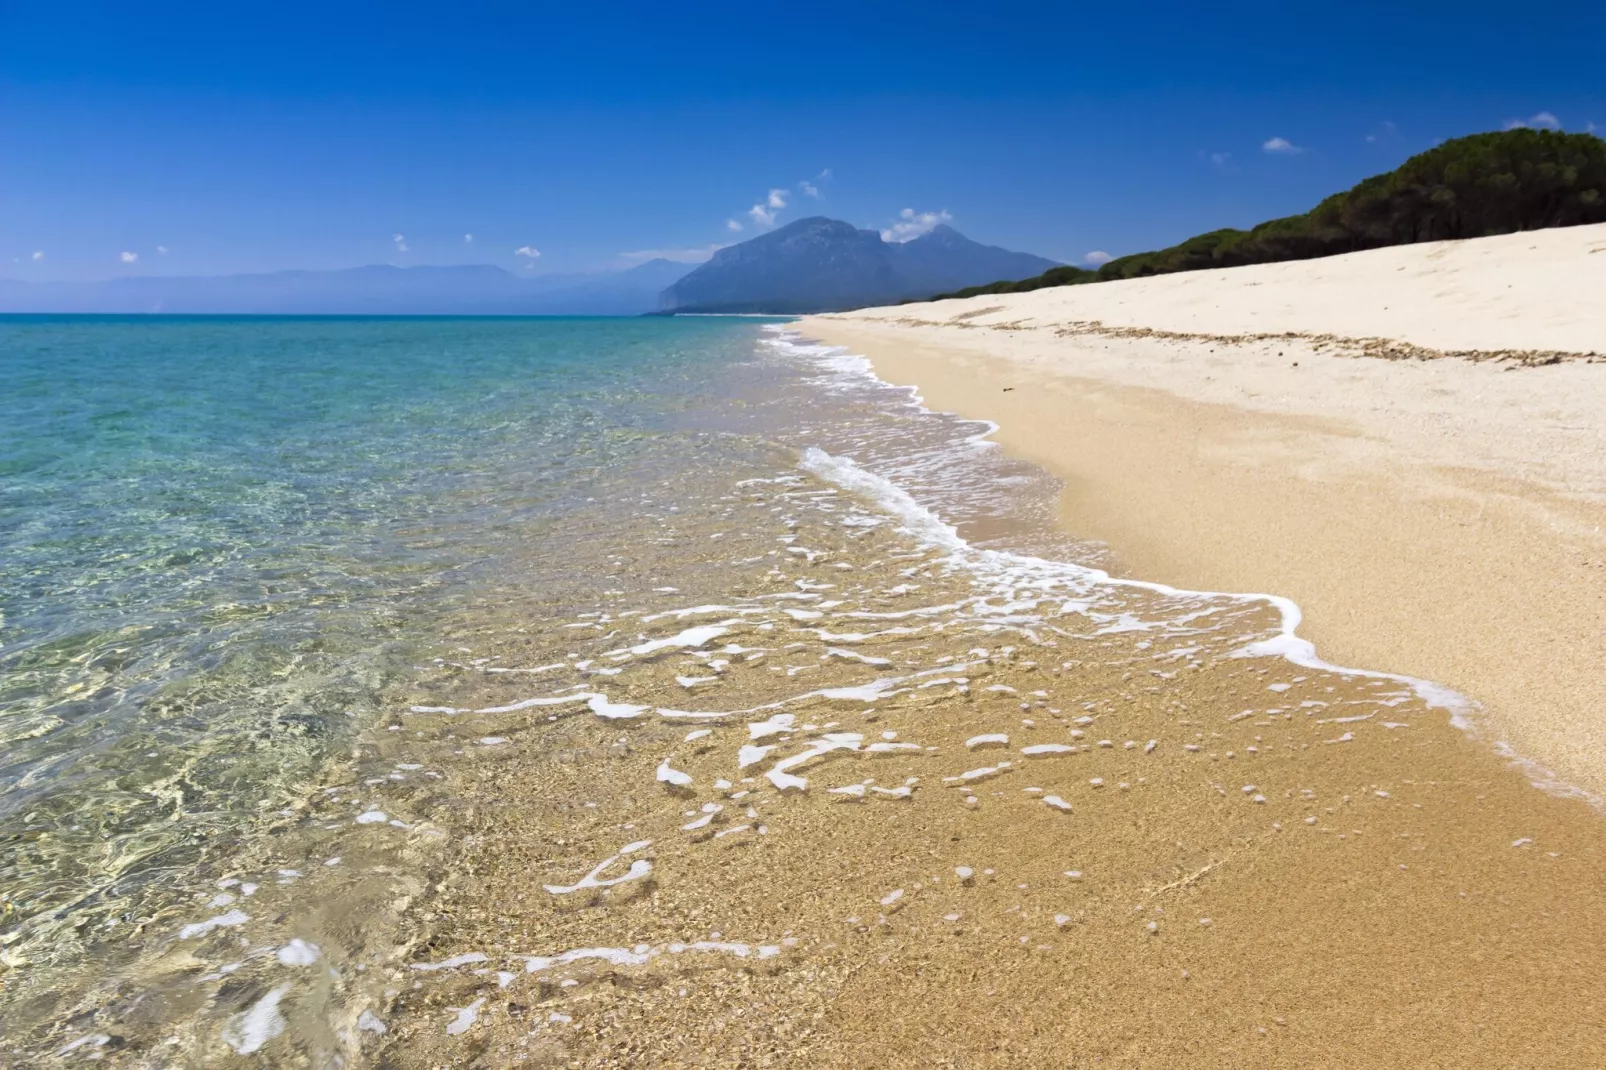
(819, 264)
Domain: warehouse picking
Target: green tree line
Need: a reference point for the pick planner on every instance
(1492, 183)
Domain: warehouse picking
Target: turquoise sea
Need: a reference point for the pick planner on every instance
(222, 539)
(371, 690)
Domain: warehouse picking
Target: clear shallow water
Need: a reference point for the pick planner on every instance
(222, 540)
(333, 647)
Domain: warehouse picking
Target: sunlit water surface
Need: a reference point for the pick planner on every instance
(293, 606)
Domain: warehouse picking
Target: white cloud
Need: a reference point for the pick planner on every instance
(811, 187)
(38, 254)
(764, 213)
(1220, 158)
(1386, 131)
(1590, 127)
(527, 250)
(161, 250)
(128, 258)
(1097, 257)
(680, 256)
(468, 239)
(400, 242)
(1545, 120)
(911, 225)
(1281, 146)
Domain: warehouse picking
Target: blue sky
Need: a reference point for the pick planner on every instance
(333, 135)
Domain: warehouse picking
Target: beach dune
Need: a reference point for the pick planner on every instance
(1410, 442)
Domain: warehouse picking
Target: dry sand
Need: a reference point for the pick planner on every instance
(1236, 430)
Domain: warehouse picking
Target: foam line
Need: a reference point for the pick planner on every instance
(249, 1030)
(638, 869)
(921, 523)
(642, 954)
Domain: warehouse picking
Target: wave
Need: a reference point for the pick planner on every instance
(1287, 644)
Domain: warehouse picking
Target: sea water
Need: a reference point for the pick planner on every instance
(225, 541)
(359, 674)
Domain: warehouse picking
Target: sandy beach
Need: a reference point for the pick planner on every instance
(1304, 429)
(818, 744)
(895, 799)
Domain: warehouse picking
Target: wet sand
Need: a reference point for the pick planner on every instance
(1105, 837)
(776, 768)
(1436, 517)
(1269, 890)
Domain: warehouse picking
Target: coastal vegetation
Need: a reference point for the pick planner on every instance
(1469, 187)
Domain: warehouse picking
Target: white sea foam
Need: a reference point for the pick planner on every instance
(690, 638)
(229, 920)
(781, 722)
(850, 655)
(249, 1030)
(921, 522)
(1011, 571)
(846, 372)
(466, 959)
(640, 868)
(466, 1017)
(971, 776)
(780, 773)
(750, 755)
(298, 953)
(642, 954)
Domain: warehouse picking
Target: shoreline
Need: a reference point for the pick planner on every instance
(1441, 519)
(1017, 808)
(806, 748)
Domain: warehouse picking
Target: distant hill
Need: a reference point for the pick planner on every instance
(820, 264)
(1470, 187)
(620, 293)
(470, 289)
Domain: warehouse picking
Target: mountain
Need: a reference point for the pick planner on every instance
(938, 260)
(819, 264)
(470, 289)
(1468, 187)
